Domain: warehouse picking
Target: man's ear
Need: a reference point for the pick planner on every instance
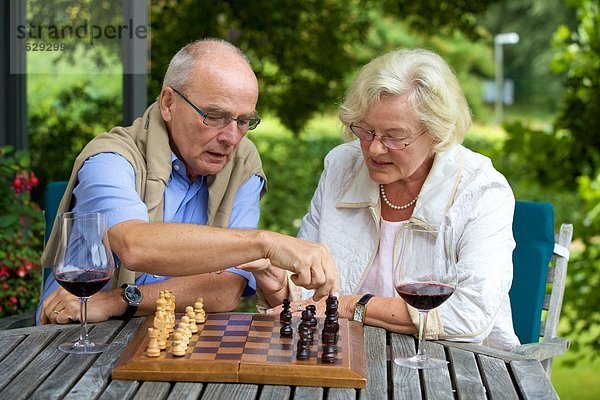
(165, 102)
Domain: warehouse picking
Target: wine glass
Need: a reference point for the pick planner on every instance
(83, 265)
(425, 276)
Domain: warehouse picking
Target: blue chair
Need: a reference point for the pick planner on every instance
(52, 196)
(540, 269)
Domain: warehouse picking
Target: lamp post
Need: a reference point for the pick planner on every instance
(500, 40)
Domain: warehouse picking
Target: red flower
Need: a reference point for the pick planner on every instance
(4, 272)
(28, 265)
(21, 272)
(4, 285)
(17, 184)
(13, 299)
(33, 179)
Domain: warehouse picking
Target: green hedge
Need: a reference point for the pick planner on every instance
(293, 167)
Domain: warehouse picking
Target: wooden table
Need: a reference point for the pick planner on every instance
(31, 366)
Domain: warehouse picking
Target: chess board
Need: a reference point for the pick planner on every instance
(247, 348)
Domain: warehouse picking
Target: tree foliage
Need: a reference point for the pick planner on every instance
(528, 62)
(570, 164)
(578, 122)
(301, 51)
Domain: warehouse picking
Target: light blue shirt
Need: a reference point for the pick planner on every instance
(106, 184)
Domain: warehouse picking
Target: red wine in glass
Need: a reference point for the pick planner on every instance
(83, 284)
(425, 276)
(83, 264)
(425, 295)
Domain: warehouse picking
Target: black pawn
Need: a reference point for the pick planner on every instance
(311, 310)
(305, 330)
(285, 317)
(303, 347)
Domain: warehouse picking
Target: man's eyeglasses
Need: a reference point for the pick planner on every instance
(217, 121)
(388, 141)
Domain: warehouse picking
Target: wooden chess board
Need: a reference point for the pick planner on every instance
(247, 348)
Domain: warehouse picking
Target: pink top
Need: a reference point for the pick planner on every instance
(380, 279)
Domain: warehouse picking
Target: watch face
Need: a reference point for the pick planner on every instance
(132, 294)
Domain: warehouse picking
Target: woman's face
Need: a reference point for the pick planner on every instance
(393, 117)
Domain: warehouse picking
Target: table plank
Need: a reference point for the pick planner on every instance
(496, 378)
(97, 377)
(8, 343)
(153, 390)
(22, 355)
(466, 374)
(37, 370)
(436, 382)
(405, 381)
(238, 391)
(341, 394)
(308, 393)
(119, 390)
(48, 329)
(68, 372)
(376, 362)
(275, 392)
(527, 373)
(186, 391)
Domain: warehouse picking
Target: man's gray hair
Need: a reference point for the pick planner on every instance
(183, 63)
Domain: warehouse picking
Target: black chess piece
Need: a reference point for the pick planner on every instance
(304, 329)
(311, 310)
(328, 356)
(303, 347)
(286, 321)
(286, 330)
(285, 309)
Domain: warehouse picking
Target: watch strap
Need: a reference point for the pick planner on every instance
(131, 308)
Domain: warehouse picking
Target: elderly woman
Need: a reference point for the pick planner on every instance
(409, 114)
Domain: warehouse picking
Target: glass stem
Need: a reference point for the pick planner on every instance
(83, 334)
(422, 326)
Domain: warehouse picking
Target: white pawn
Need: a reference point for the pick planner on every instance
(179, 347)
(153, 350)
(186, 327)
(183, 330)
(199, 310)
(189, 310)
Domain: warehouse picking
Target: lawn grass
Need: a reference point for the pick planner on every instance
(578, 382)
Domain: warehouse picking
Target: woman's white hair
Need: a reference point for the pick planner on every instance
(433, 92)
(182, 64)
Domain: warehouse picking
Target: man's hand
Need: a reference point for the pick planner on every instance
(311, 263)
(61, 307)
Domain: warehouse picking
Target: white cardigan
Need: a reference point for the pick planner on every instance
(462, 190)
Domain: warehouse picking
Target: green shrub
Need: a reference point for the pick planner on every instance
(21, 234)
(293, 167)
(62, 125)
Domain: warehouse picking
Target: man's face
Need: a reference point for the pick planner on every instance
(226, 87)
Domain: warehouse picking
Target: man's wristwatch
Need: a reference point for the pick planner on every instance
(133, 297)
(361, 308)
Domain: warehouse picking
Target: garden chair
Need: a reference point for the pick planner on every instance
(52, 197)
(540, 262)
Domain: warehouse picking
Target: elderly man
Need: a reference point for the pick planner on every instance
(169, 185)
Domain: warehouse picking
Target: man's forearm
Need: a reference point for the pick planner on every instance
(174, 249)
(221, 292)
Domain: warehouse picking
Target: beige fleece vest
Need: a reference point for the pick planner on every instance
(145, 144)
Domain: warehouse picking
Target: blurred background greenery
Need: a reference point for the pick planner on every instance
(305, 53)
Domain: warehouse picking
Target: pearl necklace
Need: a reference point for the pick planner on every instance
(395, 207)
